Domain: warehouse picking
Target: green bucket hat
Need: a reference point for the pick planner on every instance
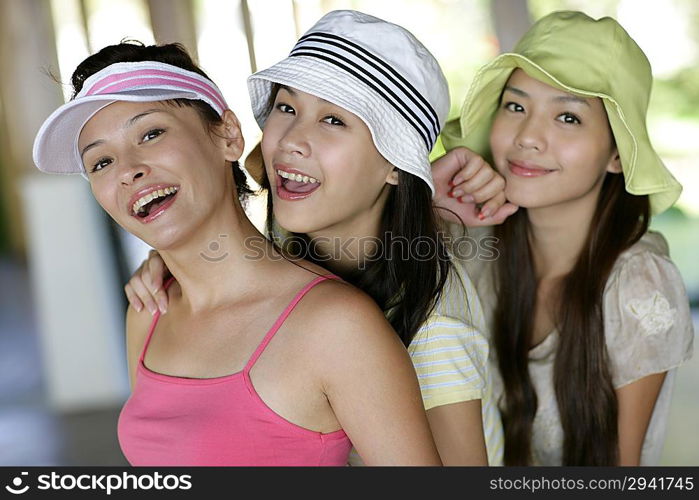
(591, 58)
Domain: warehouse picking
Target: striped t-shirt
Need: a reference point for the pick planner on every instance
(450, 355)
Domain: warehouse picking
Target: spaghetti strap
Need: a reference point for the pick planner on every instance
(156, 317)
(282, 317)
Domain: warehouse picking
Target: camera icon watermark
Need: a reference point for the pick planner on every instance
(215, 247)
(16, 488)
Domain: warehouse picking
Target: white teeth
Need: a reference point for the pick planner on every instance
(144, 200)
(296, 177)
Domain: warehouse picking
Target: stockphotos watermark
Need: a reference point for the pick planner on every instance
(363, 249)
(106, 483)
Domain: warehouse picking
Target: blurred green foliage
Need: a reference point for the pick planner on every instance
(678, 95)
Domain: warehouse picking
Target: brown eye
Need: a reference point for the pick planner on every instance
(568, 118)
(514, 107)
(152, 134)
(100, 164)
(285, 108)
(334, 120)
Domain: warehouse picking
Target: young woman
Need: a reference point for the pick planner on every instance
(240, 371)
(589, 315)
(348, 121)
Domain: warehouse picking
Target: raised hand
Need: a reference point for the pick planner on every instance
(468, 187)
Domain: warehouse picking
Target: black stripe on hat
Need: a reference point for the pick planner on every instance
(374, 72)
(387, 70)
(419, 117)
(425, 137)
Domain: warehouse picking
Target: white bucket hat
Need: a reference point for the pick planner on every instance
(56, 143)
(375, 69)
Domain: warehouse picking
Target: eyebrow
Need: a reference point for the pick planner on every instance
(90, 146)
(288, 89)
(294, 93)
(129, 123)
(562, 98)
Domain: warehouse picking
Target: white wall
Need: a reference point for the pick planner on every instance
(76, 292)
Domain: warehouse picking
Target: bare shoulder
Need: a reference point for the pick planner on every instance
(339, 317)
(340, 304)
(137, 326)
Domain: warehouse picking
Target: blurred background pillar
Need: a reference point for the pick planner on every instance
(511, 19)
(173, 21)
(60, 227)
(27, 95)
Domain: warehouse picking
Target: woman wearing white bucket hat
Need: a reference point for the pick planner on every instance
(218, 381)
(349, 119)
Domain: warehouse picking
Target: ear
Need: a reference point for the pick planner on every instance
(392, 177)
(235, 144)
(614, 164)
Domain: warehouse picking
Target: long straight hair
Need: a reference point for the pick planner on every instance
(582, 379)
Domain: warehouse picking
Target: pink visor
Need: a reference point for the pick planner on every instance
(56, 143)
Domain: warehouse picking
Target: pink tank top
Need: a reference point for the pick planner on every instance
(174, 421)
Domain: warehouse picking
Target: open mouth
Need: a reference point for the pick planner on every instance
(291, 186)
(153, 202)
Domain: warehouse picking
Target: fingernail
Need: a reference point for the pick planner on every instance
(162, 306)
(457, 180)
(467, 198)
(138, 308)
(456, 193)
(451, 183)
(153, 309)
(484, 213)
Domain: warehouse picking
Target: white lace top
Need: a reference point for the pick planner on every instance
(648, 328)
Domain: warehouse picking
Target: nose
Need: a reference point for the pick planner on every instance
(295, 140)
(531, 135)
(133, 171)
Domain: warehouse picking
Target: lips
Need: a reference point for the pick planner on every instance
(527, 169)
(293, 184)
(151, 202)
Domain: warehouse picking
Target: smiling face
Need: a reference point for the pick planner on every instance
(325, 172)
(551, 146)
(156, 168)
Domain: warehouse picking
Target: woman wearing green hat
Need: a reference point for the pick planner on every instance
(589, 317)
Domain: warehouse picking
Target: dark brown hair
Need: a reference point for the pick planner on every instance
(173, 54)
(582, 380)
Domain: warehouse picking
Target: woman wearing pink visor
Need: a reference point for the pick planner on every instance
(233, 374)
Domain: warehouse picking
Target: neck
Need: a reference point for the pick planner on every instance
(224, 253)
(557, 235)
(345, 251)
(351, 244)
